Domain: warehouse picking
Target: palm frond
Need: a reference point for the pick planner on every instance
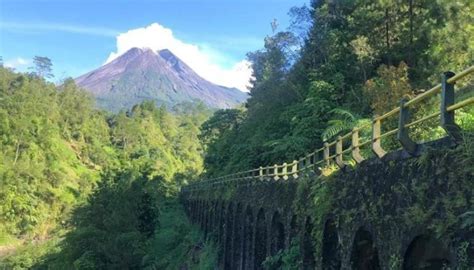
(343, 120)
(344, 114)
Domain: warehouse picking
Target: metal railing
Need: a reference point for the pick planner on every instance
(334, 151)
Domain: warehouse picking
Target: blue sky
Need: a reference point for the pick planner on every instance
(81, 35)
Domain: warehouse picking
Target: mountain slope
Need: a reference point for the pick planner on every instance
(142, 74)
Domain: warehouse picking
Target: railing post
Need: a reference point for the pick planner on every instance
(285, 171)
(260, 173)
(294, 169)
(447, 99)
(275, 172)
(376, 140)
(403, 137)
(326, 153)
(339, 157)
(355, 146)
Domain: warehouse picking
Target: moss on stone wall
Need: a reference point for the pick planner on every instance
(398, 200)
(395, 199)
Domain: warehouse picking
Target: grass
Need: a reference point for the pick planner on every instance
(179, 244)
(26, 255)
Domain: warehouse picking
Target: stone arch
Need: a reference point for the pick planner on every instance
(221, 220)
(364, 254)
(190, 210)
(210, 218)
(196, 212)
(260, 251)
(238, 239)
(199, 217)
(188, 207)
(331, 248)
(277, 232)
(229, 222)
(202, 217)
(214, 224)
(220, 232)
(193, 211)
(206, 221)
(247, 239)
(425, 252)
(309, 261)
(200, 213)
(293, 229)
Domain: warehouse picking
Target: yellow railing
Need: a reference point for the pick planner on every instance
(326, 154)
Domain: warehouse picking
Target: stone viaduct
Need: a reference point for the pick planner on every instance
(408, 209)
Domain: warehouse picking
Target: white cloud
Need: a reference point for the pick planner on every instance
(45, 27)
(16, 63)
(201, 60)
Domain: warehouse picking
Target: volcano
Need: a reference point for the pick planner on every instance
(143, 74)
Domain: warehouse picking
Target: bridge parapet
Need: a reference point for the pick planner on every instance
(399, 212)
(334, 152)
(405, 209)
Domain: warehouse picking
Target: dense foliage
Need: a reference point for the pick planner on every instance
(338, 64)
(104, 179)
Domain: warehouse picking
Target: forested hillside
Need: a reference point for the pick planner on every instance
(338, 64)
(107, 181)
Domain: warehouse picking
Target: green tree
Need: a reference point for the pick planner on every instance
(363, 56)
(43, 67)
(386, 90)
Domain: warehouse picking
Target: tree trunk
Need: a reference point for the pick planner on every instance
(411, 61)
(387, 35)
(17, 152)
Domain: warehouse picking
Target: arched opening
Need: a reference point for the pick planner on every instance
(278, 234)
(260, 240)
(198, 213)
(331, 248)
(364, 252)
(228, 236)
(202, 217)
(221, 220)
(214, 223)
(207, 218)
(207, 222)
(238, 230)
(220, 230)
(293, 234)
(308, 246)
(247, 239)
(193, 211)
(201, 213)
(425, 252)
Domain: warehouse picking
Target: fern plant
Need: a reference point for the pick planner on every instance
(343, 121)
